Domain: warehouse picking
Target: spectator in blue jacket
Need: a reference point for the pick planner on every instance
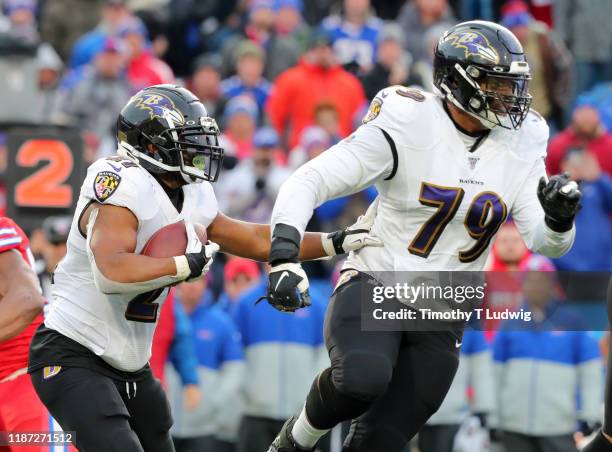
(172, 344)
(354, 34)
(548, 372)
(213, 425)
(114, 13)
(284, 352)
(249, 58)
(592, 250)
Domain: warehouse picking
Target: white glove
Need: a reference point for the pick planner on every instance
(197, 258)
(355, 236)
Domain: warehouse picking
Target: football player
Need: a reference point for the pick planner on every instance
(449, 168)
(21, 305)
(88, 361)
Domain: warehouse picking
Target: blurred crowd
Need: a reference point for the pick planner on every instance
(286, 80)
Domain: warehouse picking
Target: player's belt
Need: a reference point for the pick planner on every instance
(14, 375)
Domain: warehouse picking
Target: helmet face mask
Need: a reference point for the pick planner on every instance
(480, 67)
(193, 150)
(184, 139)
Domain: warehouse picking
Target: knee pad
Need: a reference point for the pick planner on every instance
(326, 406)
(362, 375)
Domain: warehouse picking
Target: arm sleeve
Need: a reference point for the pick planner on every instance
(11, 236)
(182, 351)
(346, 168)
(529, 219)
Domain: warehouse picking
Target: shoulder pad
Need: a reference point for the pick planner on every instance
(10, 232)
(115, 163)
(532, 138)
(122, 183)
(6, 222)
(11, 236)
(536, 126)
(395, 104)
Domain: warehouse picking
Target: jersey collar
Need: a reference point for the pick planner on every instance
(480, 136)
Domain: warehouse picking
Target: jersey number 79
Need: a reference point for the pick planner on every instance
(486, 214)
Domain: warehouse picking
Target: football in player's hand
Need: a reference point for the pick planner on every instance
(171, 240)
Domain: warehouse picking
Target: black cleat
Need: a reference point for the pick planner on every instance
(284, 442)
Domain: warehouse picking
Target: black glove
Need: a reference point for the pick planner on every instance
(287, 281)
(560, 199)
(288, 287)
(200, 262)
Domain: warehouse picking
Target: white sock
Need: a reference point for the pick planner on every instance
(304, 434)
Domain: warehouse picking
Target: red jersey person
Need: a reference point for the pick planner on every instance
(21, 305)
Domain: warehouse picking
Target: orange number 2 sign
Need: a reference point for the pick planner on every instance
(46, 187)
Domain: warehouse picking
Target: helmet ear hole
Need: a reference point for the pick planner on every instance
(452, 80)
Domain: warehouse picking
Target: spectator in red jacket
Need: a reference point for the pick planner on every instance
(144, 69)
(317, 78)
(239, 276)
(503, 290)
(585, 131)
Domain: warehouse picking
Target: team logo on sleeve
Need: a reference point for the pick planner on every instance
(373, 111)
(105, 184)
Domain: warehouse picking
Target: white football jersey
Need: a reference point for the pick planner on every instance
(440, 204)
(117, 327)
